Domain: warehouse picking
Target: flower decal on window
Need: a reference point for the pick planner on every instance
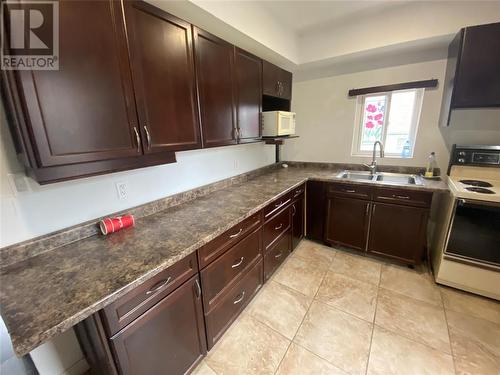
(371, 108)
(369, 125)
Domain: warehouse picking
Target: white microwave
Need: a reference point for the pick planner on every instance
(276, 123)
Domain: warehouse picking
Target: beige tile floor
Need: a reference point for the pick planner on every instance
(328, 311)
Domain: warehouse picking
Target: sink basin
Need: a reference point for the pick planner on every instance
(356, 175)
(388, 178)
(399, 179)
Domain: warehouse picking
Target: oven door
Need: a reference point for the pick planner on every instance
(474, 233)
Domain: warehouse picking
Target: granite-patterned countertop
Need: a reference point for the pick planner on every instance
(49, 293)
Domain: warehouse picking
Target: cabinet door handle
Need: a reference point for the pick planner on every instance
(198, 288)
(400, 196)
(137, 139)
(349, 191)
(240, 298)
(278, 255)
(278, 204)
(237, 264)
(298, 192)
(236, 234)
(278, 227)
(294, 210)
(148, 136)
(367, 209)
(160, 284)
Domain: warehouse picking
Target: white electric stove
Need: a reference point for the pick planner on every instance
(466, 250)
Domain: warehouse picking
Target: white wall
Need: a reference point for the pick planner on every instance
(47, 208)
(325, 118)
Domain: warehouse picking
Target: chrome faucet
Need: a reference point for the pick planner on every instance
(373, 166)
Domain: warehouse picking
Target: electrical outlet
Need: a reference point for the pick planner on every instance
(121, 189)
(236, 164)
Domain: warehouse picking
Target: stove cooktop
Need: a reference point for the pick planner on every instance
(479, 190)
(477, 183)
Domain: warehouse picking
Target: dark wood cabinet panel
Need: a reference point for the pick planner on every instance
(129, 307)
(347, 221)
(235, 300)
(398, 232)
(163, 74)
(276, 82)
(477, 82)
(248, 71)
(228, 269)
(297, 220)
(315, 210)
(215, 248)
(277, 254)
(276, 226)
(472, 79)
(84, 111)
(168, 337)
(215, 78)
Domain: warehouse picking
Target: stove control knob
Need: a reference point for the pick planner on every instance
(461, 160)
(461, 153)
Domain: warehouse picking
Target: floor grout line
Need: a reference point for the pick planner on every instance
(449, 334)
(373, 329)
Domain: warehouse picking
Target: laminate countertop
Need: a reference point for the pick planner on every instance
(47, 294)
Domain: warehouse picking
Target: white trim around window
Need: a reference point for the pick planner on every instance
(409, 134)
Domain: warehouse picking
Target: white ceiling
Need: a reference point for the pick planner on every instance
(302, 17)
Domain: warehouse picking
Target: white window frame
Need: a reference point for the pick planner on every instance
(358, 125)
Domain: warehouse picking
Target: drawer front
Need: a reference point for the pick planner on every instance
(298, 191)
(226, 311)
(227, 269)
(276, 205)
(212, 250)
(277, 254)
(353, 191)
(129, 307)
(403, 196)
(276, 226)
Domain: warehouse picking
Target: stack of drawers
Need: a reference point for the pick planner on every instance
(231, 274)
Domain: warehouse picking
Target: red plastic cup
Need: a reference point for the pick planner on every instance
(114, 224)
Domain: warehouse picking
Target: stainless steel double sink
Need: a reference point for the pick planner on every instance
(387, 178)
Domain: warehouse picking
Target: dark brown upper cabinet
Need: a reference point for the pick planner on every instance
(215, 76)
(472, 77)
(163, 74)
(81, 119)
(248, 70)
(276, 82)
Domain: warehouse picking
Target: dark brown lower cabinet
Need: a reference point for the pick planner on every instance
(297, 221)
(347, 222)
(169, 338)
(315, 213)
(277, 254)
(398, 232)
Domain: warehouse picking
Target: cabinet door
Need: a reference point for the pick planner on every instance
(315, 210)
(163, 75)
(214, 67)
(398, 232)
(84, 111)
(276, 82)
(248, 70)
(168, 338)
(347, 222)
(297, 221)
(478, 78)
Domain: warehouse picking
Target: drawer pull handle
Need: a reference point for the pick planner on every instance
(278, 204)
(236, 234)
(298, 192)
(237, 264)
(294, 210)
(278, 255)
(198, 288)
(160, 284)
(278, 227)
(240, 298)
(349, 191)
(400, 196)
